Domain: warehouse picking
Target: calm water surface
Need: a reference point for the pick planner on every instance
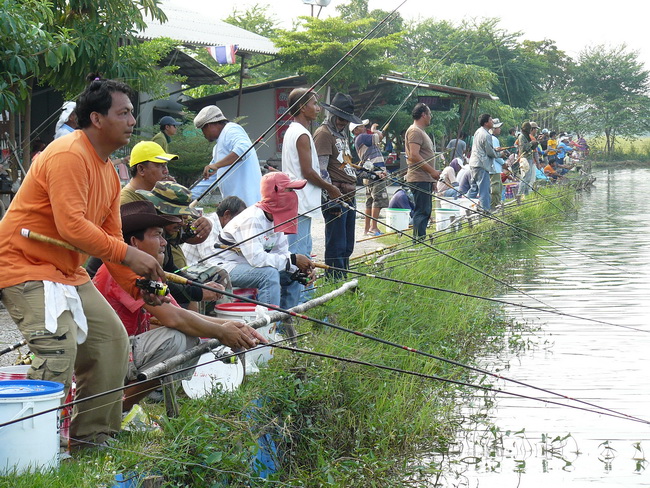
(601, 364)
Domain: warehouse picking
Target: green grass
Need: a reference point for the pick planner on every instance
(339, 424)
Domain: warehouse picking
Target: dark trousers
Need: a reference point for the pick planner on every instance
(339, 237)
(422, 194)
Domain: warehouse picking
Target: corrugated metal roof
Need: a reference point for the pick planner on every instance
(204, 29)
(196, 72)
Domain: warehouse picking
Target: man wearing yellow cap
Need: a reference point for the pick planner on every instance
(147, 166)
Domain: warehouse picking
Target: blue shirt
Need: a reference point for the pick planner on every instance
(498, 162)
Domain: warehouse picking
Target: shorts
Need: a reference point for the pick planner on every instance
(376, 193)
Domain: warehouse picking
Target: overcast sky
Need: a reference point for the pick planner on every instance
(572, 24)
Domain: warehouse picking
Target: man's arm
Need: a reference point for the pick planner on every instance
(230, 158)
(416, 159)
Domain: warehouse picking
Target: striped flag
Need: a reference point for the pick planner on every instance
(223, 54)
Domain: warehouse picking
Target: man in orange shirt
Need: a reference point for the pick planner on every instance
(72, 193)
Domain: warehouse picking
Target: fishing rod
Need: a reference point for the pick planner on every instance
(179, 279)
(480, 297)
(14, 347)
(138, 383)
(313, 86)
(600, 410)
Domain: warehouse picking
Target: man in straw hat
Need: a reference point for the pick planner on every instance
(243, 180)
(179, 329)
(71, 193)
(331, 140)
(263, 260)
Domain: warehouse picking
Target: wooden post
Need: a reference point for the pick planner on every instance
(241, 82)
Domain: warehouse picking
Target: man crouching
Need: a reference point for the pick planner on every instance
(160, 332)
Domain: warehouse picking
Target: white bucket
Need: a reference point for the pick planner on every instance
(33, 443)
(18, 372)
(444, 217)
(248, 312)
(397, 218)
(468, 206)
(229, 375)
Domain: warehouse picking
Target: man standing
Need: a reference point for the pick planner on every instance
(242, 180)
(300, 161)
(331, 140)
(168, 128)
(481, 162)
(367, 146)
(421, 172)
(71, 193)
(496, 186)
(458, 146)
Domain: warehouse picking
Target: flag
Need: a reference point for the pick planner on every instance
(223, 54)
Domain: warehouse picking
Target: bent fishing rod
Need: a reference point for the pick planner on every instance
(313, 86)
(180, 280)
(599, 411)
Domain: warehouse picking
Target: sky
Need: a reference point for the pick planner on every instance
(572, 25)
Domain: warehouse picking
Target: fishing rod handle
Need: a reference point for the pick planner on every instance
(29, 234)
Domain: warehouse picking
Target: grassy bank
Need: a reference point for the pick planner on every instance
(335, 423)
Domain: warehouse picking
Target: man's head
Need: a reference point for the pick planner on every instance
(280, 200)
(105, 108)
(496, 126)
(168, 125)
(357, 129)
(68, 116)
(552, 134)
(148, 163)
(211, 121)
(341, 109)
(142, 227)
(422, 114)
(228, 208)
(485, 121)
(512, 131)
(303, 101)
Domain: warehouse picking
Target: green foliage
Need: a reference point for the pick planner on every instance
(29, 48)
(317, 45)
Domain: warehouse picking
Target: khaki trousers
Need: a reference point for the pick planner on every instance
(99, 364)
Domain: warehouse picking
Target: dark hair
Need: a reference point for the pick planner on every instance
(37, 145)
(512, 131)
(133, 170)
(232, 203)
(98, 97)
(483, 119)
(138, 234)
(419, 110)
(162, 127)
(552, 133)
(298, 98)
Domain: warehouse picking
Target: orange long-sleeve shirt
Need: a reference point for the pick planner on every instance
(70, 194)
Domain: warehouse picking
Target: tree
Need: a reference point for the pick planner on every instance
(319, 44)
(611, 91)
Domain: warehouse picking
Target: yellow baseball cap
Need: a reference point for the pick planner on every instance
(149, 151)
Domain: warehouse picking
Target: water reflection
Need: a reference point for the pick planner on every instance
(534, 444)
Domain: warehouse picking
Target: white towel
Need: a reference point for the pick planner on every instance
(58, 299)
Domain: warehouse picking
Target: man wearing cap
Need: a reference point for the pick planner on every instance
(147, 166)
(242, 179)
(331, 141)
(496, 186)
(263, 259)
(372, 161)
(178, 329)
(421, 172)
(71, 193)
(481, 162)
(168, 128)
(67, 120)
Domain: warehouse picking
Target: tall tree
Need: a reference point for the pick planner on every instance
(611, 88)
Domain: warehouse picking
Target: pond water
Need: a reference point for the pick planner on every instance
(530, 444)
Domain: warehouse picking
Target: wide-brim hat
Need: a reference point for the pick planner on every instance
(141, 215)
(342, 106)
(171, 198)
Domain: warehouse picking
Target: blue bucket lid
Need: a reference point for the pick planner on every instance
(24, 388)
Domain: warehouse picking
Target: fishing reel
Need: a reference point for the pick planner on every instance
(300, 277)
(189, 229)
(157, 288)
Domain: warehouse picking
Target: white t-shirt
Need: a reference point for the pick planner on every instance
(309, 196)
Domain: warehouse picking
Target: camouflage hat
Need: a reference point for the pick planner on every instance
(170, 198)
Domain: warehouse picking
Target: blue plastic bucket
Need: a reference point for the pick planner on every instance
(33, 443)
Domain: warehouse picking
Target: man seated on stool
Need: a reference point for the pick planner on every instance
(160, 332)
(263, 260)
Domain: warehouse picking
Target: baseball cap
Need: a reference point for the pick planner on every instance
(149, 151)
(496, 123)
(167, 120)
(353, 126)
(208, 115)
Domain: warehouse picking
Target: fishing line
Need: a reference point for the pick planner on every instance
(313, 86)
(600, 410)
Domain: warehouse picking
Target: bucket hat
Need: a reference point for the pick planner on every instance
(170, 198)
(342, 106)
